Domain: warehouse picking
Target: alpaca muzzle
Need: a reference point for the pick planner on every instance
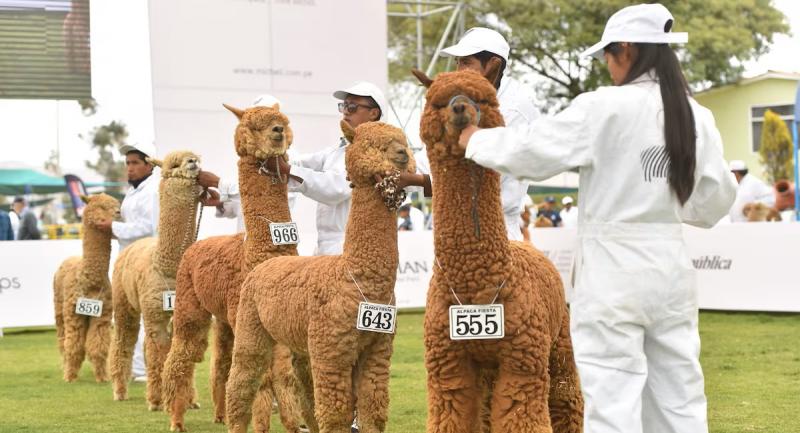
(460, 113)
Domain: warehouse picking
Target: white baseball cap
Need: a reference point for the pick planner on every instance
(737, 165)
(265, 100)
(566, 200)
(148, 149)
(479, 39)
(365, 88)
(646, 23)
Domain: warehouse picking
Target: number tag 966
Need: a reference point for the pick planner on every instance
(89, 307)
(168, 300)
(376, 317)
(283, 233)
(477, 322)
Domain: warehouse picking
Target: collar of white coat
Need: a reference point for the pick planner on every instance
(155, 175)
(648, 77)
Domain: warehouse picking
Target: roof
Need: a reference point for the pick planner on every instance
(776, 75)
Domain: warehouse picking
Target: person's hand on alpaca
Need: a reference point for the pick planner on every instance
(466, 134)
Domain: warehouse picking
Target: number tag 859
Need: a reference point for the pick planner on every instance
(376, 317)
(284, 233)
(477, 322)
(89, 307)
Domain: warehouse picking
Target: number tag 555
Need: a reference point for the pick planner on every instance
(477, 322)
(376, 317)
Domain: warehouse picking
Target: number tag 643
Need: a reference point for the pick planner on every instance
(284, 233)
(477, 322)
(376, 317)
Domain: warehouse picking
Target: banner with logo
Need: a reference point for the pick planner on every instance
(76, 189)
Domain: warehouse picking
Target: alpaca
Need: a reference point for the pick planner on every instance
(86, 276)
(759, 212)
(531, 371)
(212, 271)
(338, 366)
(147, 268)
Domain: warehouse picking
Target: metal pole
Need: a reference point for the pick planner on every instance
(796, 159)
(419, 34)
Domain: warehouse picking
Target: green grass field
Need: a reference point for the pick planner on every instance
(751, 363)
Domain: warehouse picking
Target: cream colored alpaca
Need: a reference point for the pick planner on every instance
(87, 277)
(147, 268)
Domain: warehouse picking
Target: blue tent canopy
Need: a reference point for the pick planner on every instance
(18, 181)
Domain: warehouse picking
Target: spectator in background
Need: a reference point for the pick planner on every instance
(6, 233)
(569, 213)
(546, 210)
(751, 190)
(28, 224)
(409, 218)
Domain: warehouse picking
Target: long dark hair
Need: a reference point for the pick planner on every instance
(679, 127)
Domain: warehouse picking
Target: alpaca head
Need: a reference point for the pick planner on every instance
(376, 149)
(99, 207)
(263, 132)
(181, 164)
(453, 101)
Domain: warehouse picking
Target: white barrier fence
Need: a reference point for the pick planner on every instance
(743, 267)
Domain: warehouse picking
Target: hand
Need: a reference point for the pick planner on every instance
(207, 179)
(405, 179)
(210, 197)
(466, 134)
(104, 225)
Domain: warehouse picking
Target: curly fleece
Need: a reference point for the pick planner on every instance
(526, 382)
(87, 277)
(145, 269)
(338, 366)
(211, 275)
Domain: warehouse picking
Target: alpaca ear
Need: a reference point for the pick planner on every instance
(348, 131)
(276, 107)
(422, 77)
(237, 112)
(153, 161)
(85, 198)
(494, 70)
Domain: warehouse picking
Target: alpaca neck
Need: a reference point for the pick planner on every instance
(262, 201)
(176, 223)
(96, 255)
(370, 244)
(455, 181)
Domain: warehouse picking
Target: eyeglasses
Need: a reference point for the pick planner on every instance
(351, 107)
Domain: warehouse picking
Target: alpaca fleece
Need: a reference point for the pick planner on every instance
(526, 382)
(86, 276)
(310, 305)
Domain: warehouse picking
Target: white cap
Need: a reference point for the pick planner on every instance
(566, 200)
(737, 165)
(479, 39)
(147, 149)
(365, 88)
(265, 101)
(647, 23)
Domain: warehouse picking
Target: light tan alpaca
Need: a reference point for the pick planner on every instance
(145, 269)
(759, 212)
(310, 304)
(87, 277)
(212, 271)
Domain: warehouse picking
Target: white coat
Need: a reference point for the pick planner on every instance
(751, 190)
(569, 218)
(232, 203)
(634, 311)
(518, 113)
(139, 212)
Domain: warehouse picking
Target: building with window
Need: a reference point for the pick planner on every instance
(739, 112)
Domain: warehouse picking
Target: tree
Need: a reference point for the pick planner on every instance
(107, 139)
(776, 148)
(546, 37)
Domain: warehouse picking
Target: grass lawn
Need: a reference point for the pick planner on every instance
(751, 363)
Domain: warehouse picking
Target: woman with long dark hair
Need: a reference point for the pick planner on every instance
(650, 158)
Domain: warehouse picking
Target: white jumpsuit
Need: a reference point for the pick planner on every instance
(634, 315)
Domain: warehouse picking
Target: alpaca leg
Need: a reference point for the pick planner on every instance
(487, 378)
(566, 400)
(98, 339)
(74, 337)
(58, 305)
(252, 352)
(286, 389)
(305, 396)
(454, 394)
(372, 386)
(220, 367)
(126, 329)
(262, 404)
(156, 348)
(189, 342)
(332, 370)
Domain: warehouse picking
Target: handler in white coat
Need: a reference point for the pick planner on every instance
(650, 158)
(751, 190)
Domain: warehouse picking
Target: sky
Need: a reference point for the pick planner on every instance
(31, 130)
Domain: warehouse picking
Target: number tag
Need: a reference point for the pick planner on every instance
(477, 322)
(284, 233)
(376, 317)
(168, 300)
(89, 307)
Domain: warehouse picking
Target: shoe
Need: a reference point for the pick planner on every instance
(354, 427)
(140, 379)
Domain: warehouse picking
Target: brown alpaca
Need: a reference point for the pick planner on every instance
(310, 304)
(212, 271)
(145, 269)
(759, 212)
(531, 371)
(87, 277)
